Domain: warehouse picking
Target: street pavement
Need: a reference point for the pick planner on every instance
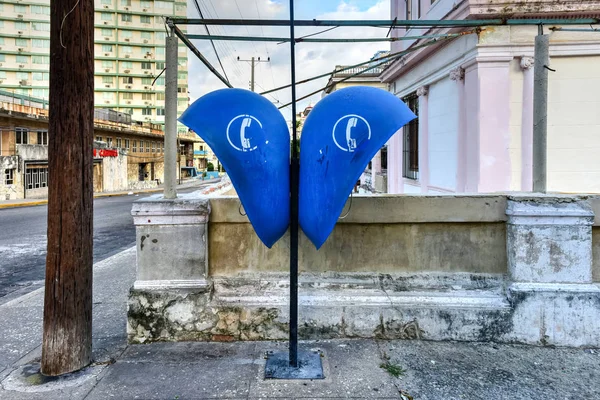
(352, 368)
(23, 238)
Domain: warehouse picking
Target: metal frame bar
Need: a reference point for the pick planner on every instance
(317, 40)
(197, 53)
(387, 23)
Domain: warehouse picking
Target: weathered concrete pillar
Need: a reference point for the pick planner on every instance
(171, 273)
(171, 236)
(549, 248)
(549, 239)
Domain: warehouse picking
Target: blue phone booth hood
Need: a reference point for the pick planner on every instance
(251, 139)
(339, 137)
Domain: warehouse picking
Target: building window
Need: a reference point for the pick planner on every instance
(119, 143)
(134, 147)
(22, 76)
(144, 19)
(126, 34)
(40, 59)
(41, 26)
(36, 177)
(19, 42)
(42, 137)
(41, 76)
(146, 96)
(162, 147)
(181, 75)
(128, 80)
(106, 16)
(2, 73)
(108, 79)
(126, 3)
(147, 35)
(22, 59)
(128, 96)
(40, 10)
(160, 96)
(181, 89)
(107, 48)
(141, 146)
(127, 64)
(9, 176)
(145, 4)
(20, 9)
(146, 65)
(21, 26)
(147, 147)
(410, 159)
(98, 138)
(107, 2)
(126, 17)
(160, 65)
(127, 49)
(146, 81)
(146, 111)
(160, 111)
(160, 81)
(107, 96)
(22, 136)
(107, 64)
(127, 144)
(41, 93)
(107, 32)
(408, 10)
(154, 147)
(109, 141)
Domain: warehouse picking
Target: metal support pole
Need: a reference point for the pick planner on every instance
(294, 181)
(171, 151)
(252, 74)
(540, 111)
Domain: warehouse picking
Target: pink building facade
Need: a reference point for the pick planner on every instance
(474, 99)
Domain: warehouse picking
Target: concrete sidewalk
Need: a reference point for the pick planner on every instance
(358, 369)
(37, 202)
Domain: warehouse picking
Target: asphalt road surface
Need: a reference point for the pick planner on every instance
(23, 241)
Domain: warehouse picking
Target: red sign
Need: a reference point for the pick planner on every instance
(105, 153)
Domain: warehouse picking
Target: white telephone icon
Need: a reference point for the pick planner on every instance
(349, 140)
(246, 122)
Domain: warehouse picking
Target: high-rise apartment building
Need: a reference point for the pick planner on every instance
(129, 51)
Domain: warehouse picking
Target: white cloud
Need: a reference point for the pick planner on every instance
(311, 58)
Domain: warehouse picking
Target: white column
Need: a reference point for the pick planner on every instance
(423, 93)
(527, 125)
(458, 75)
(375, 168)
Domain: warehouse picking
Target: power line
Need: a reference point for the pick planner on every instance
(247, 30)
(211, 41)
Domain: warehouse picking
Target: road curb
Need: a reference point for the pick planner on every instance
(96, 196)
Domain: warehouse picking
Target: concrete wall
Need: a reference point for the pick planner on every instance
(381, 234)
(32, 152)
(512, 269)
(14, 191)
(574, 125)
(114, 174)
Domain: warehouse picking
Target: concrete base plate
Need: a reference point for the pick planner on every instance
(309, 366)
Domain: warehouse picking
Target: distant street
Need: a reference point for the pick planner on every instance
(23, 240)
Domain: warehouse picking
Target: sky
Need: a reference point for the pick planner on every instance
(311, 58)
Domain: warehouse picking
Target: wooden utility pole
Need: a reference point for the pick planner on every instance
(67, 337)
(252, 62)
